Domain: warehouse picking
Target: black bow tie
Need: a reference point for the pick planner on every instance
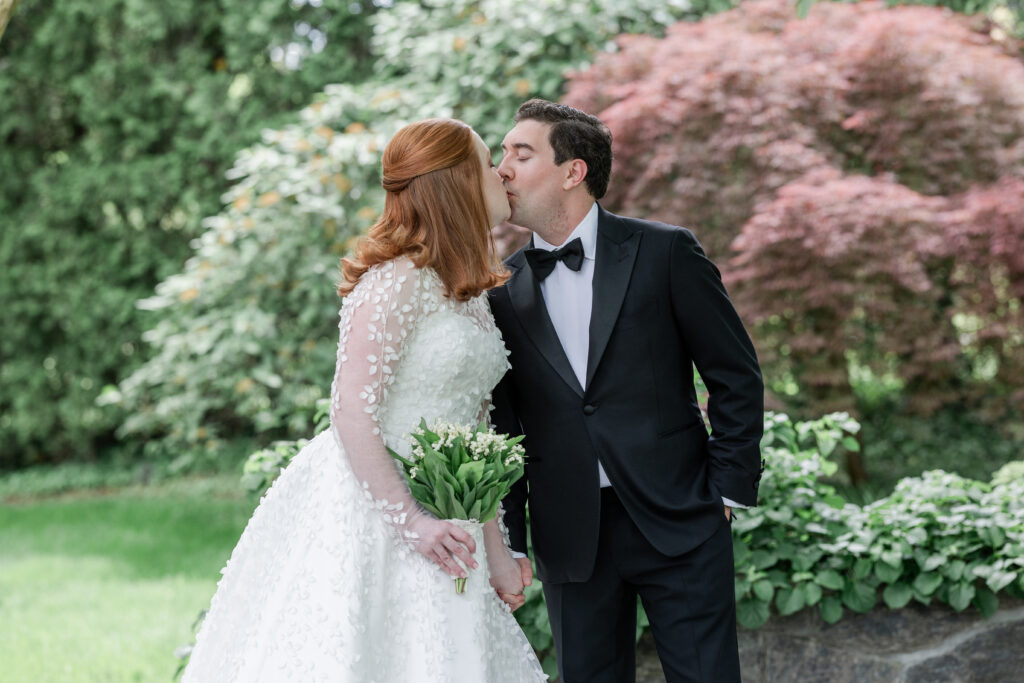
(542, 261)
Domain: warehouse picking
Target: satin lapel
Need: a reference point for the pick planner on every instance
(616, 253)
(528, 303)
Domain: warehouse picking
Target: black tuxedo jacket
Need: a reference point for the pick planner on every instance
(659, 308)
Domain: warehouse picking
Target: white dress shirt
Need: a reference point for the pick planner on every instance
(569, 298)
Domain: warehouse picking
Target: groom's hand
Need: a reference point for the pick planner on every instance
(517, 600)
(527, 569)
(728, 513)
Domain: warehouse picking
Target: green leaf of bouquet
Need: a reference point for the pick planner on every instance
(752, 613)
(453, 508)
(927, 582)
(433, 460)
(470, 472)
(475, 510)
(897, 595)
(462, 453)
(434, 510)
(429, 435)
(831, 609)
(488, 505)
(421, 492)
(444, 496)
(398, 457)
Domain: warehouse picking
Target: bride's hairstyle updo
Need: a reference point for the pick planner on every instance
(434, 211)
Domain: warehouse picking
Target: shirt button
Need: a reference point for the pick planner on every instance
(589, 409)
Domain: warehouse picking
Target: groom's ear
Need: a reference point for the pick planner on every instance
(576, 172)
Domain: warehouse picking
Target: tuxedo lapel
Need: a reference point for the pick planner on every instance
(616, 253)
(528, 303)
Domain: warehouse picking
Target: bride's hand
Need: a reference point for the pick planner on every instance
(506, 577)
(506, 573)
(441, 542)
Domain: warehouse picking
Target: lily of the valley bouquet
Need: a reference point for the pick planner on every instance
(458, 472)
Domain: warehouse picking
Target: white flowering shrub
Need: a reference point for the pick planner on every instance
(244, 337)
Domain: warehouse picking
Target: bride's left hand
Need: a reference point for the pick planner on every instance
(506, 574)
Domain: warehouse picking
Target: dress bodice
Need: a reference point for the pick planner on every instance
(451, 362)
(407, 352)
(427, 355)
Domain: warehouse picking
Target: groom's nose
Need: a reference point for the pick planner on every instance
(504, 171)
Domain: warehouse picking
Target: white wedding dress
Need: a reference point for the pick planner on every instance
(323, 584)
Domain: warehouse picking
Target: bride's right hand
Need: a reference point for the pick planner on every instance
(441, 542)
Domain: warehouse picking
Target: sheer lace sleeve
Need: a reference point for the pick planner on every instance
(377, 317)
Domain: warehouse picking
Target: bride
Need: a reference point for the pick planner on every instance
(339, 574)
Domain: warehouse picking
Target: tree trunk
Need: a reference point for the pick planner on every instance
(6, 10)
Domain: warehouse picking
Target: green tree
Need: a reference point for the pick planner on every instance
(118, 120)
(246, 334)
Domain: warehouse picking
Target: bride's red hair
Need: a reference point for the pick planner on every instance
(434, 211)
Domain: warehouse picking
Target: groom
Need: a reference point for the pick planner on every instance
(605, 317)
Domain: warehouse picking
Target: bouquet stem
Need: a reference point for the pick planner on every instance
(476, 530)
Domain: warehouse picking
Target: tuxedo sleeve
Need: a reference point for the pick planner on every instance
(505, 421)
(725, 358)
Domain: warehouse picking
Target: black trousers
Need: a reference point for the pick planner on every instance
(689, 600)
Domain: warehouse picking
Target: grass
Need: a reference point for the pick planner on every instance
(105, 586)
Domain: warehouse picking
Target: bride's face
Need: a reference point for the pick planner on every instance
(495, 196)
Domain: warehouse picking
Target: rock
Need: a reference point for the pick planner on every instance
(916, 644)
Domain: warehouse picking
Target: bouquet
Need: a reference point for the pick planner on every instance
(461, 473)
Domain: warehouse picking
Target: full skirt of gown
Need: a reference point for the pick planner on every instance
(320, 588)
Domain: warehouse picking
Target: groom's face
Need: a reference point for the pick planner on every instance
(532, 179)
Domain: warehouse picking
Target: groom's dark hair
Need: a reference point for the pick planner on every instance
(575, 135)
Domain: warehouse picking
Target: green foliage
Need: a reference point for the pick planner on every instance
(938, 537)
(897, 446)
(70, 476)
(262, 467)
(1009, 473)
(245, 337)
(118, 119)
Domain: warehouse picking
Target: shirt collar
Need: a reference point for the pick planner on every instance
(586, 231)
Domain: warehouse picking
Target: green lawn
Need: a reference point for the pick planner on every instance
(104, 587)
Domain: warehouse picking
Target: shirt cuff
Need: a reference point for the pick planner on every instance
(516, 554)
(734, 504)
